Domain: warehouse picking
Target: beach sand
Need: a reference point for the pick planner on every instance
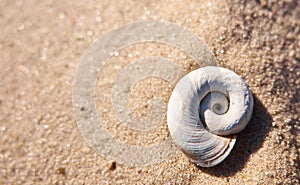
(41, 43)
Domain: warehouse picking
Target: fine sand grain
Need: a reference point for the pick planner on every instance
(41, 43)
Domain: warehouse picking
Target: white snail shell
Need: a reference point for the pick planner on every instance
(207, 107)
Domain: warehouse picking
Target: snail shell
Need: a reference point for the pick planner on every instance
(207, 107)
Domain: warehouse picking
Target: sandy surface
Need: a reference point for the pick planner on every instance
(41, 43)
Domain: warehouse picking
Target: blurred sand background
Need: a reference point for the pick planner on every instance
(41, 43)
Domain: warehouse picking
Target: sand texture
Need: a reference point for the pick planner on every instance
(41, 43)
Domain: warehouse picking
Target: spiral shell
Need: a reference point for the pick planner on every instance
(207, 107)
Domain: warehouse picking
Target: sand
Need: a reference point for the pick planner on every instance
(41, 43)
